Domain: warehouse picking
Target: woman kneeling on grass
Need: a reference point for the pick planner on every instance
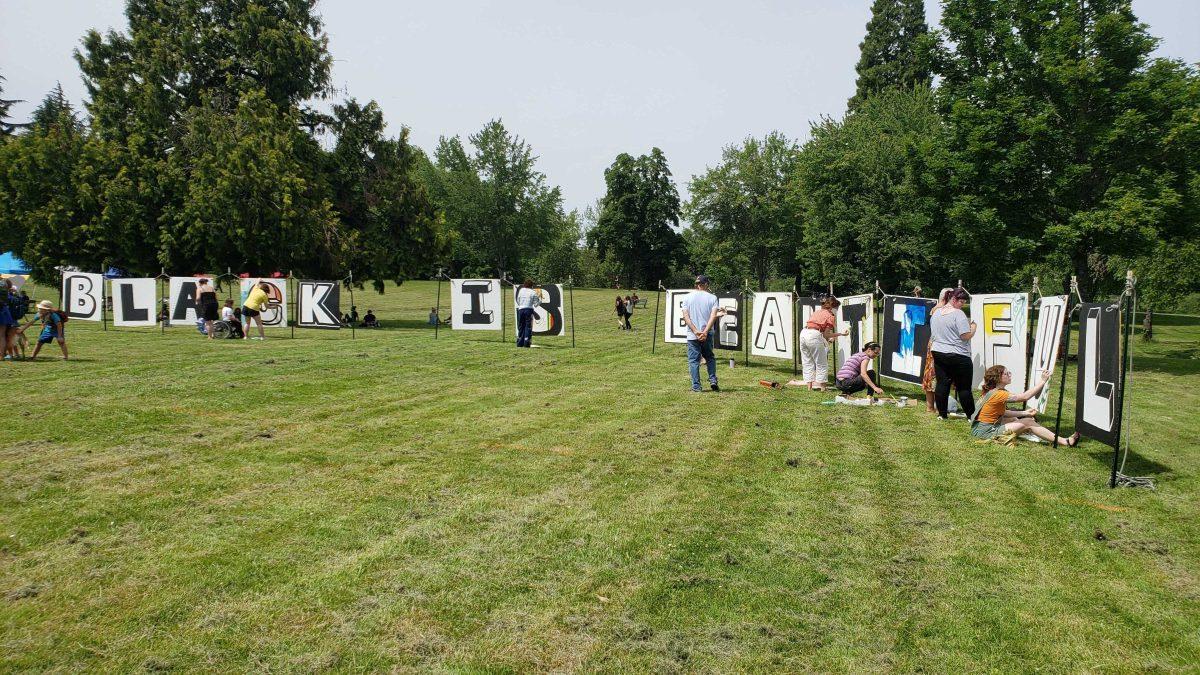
(991, 418)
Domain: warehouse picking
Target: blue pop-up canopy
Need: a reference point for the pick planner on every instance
(11, 264)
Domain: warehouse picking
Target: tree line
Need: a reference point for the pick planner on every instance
(1015, 140)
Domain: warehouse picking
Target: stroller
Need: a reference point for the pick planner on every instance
(227, 330)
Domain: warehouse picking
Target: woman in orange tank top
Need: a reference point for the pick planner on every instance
(992, 418)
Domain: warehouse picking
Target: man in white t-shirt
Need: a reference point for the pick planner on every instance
(527, 300)
(700, 312)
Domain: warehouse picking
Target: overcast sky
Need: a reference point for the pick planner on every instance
(581, 82)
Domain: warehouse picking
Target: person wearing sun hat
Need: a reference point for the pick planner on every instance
(52, 328)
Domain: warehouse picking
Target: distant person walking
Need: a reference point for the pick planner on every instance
(253, 307)
(619, 308)
(628, 313)
(950, 343)
(700, 312)
(527, 301)
(208, 305)
(814, 344)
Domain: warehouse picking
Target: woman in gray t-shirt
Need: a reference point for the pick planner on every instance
(950, 344)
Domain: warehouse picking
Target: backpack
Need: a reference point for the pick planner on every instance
(62, 316)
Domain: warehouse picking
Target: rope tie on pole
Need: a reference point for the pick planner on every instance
(1129, 294)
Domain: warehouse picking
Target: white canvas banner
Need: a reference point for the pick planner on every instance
(475, 304)
(276, 313)
(772, 326)
(674, 327)
(83, 295)
(1052, 312)
(857, 315)
(1001, 337)
(318, 304)
(181, 299)
(133, 301)
(548, 316)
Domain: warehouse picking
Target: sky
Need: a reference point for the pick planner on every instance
(580, 82)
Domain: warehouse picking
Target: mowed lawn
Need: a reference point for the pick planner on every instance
(396, 502)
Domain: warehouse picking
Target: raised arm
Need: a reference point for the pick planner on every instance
(1033, 391)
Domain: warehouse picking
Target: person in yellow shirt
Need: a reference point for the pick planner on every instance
(991, 418)
(253, 307)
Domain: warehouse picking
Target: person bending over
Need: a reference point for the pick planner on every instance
(856, 374)
(992, 418)
(814, 344)
(252, 309)
(53, 329)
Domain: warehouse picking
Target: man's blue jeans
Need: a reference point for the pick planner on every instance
(696, 349)
(524, 327)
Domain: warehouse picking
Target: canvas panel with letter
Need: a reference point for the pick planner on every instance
(82, 294)
(674, 328)
(475, 304)
(729, 326)
(905, 337)
(1098, 383)
(181, 299)
(1001, 337)
(275, 315)
(318, 304)
(856, 314)
(133, 301)
(547, 317)
(1052, 312)
(773, 326)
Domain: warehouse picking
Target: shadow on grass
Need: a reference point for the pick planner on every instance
(1175, 362)
(1135, 464)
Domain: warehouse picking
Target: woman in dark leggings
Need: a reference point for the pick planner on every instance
(950, 344)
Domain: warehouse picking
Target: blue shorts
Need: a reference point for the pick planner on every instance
(47, 338)
(6, 317)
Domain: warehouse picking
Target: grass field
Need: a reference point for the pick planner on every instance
(396, 502)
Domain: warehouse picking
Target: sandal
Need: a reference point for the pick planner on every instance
(1073, 440)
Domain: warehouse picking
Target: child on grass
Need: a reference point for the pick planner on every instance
(52, 328)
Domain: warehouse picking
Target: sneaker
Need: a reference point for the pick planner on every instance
(714, 387)
(694, 391)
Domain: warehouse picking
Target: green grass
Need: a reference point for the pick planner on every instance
(396, 502)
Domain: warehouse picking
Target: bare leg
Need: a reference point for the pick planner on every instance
(36, 348)
(246, 333)
(208, 328)
(929, 402)
(1028, 424)
(63, 343)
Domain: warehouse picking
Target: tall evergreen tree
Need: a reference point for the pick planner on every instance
(7, 127)
(895, 52)
(41, 217)
(162, 100)
(639, 218)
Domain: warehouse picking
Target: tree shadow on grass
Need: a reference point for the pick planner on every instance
(1135, 464)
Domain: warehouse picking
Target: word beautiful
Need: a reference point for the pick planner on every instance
(134, 301)
(477, 304)
(1002, 339)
